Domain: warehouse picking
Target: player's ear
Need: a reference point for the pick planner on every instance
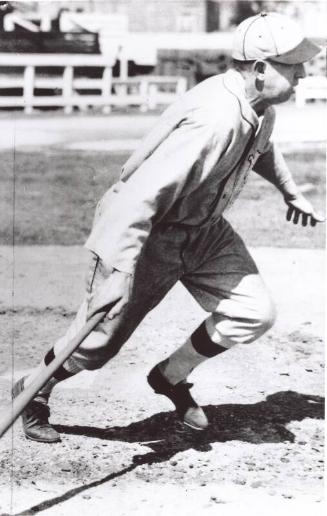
(259, 69)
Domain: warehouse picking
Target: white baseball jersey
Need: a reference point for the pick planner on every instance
(188, 170)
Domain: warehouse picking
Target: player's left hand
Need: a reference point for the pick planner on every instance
(299, 208)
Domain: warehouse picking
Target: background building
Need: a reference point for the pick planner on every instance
(187, 39)
(188, 15)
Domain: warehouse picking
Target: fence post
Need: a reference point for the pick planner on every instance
(144, 95)
(28, 94)
(67, 89)
(106, 88)
(152, 96)
(123, 71)
(181, 85)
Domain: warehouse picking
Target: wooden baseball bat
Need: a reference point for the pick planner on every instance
(12, 411)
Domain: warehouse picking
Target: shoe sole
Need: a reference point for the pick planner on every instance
(42, 440)
(198, 428)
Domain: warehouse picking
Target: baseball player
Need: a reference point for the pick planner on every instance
(162, 222)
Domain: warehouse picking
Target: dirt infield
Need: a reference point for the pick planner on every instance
(123, 450)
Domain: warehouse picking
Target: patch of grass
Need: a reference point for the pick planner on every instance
(55, 193)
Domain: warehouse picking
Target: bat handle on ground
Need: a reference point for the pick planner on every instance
(12, 411)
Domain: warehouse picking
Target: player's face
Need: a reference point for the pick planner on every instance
(281, 79)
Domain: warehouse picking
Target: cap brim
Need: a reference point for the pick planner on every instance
(303, 52)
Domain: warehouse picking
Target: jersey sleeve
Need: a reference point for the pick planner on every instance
(272, 166)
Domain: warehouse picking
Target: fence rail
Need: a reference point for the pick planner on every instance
(68, 91)
(311, 88)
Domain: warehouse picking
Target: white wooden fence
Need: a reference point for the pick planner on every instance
(311, 88)
(69, 91)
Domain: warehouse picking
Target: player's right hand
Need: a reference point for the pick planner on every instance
(113, 294)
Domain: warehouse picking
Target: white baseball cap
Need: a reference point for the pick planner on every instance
(272, 36)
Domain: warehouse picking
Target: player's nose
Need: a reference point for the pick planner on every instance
(300, 72)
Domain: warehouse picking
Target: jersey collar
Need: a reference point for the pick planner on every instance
(234, 82)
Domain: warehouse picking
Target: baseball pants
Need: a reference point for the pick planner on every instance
(213, 264)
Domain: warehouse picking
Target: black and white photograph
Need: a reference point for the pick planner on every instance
(162, 257)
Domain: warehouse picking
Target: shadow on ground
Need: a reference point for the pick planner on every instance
(263, 422)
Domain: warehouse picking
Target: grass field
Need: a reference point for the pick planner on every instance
(49, 198)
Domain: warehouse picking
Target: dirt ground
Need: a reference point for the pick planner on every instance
(123, 450)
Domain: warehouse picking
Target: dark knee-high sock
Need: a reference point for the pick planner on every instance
(196, 350)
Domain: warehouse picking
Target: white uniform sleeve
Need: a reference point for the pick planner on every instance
(272, 166)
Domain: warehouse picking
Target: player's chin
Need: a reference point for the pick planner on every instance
(285, 96)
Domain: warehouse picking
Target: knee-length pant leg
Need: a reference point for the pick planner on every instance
(158, 269)
(227, 283)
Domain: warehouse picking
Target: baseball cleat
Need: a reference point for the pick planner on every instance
(188, 410)
(35, 418)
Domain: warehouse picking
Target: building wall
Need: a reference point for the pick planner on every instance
(145, 15)
(192, 15)
(168, 15)
(159, 16)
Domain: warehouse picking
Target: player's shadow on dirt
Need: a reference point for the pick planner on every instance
(263, 422)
